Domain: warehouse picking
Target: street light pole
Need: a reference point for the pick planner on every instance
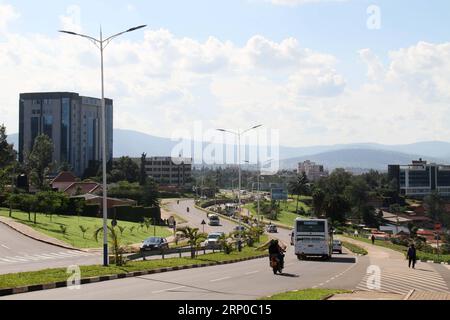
(101, 45)
(238, 134)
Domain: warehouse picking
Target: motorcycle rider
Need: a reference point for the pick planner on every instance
(277, 251)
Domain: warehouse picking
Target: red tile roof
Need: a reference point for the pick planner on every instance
(83, 187)
(64, 176)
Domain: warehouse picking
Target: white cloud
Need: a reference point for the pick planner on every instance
(164, 82)
(7, 14)
(72, 19)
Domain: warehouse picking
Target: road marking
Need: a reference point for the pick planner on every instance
(6, 247)
(176, 288)
(220, 279)
(251, 272)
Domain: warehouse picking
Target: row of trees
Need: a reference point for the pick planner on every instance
(342, 196)
(46, 202)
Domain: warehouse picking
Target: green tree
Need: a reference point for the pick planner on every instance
(142, 172)
(40, 159)
(28, 203)
(7, 153)
(83, 230)
(125, 169)
(150, 193)
(318, 201)
(336, 207)
(357, 195)
(299, 186)
(435, 206)
(194, 238)
(114, 242)
(7, 160)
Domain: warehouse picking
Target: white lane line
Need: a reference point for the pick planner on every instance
(6, 247)
(159, 291)
(220, 279)
(251, 272)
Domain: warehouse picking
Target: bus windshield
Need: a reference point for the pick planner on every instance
(310, 226)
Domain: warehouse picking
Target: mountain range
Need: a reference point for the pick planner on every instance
(359, 155)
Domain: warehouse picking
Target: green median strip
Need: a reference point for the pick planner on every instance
(306, 294)
(354, 248)
(47, 276)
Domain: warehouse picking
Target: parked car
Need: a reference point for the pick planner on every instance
(271, 228)
(337, 246)
(154, 243)
(214, 220)
(239, 228)
(212, 240)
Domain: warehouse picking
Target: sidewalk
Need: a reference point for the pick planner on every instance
(374, 295)
(31, 233)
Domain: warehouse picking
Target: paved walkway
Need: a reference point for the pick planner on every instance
(30, 232)
(388, 272)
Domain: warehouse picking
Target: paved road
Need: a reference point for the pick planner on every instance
(245, 280)
(196, 216)
(20, 253)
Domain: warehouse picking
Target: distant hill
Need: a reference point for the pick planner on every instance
(357, 158)
(358, 155)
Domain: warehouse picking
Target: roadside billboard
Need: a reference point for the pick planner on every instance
(279, 194)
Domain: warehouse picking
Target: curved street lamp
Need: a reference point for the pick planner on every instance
(101, 44)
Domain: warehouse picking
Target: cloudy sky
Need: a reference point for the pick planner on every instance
(319, 71)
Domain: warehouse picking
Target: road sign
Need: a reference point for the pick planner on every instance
(437, 226)
(279, 194)
(203, 222)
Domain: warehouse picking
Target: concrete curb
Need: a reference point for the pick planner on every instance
(431, 261)
(61, 284)
(41, 240)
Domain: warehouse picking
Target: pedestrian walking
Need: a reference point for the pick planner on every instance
(411, 255)
(373, 239)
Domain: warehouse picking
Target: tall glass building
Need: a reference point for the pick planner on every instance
(73, 122)
(420, 178)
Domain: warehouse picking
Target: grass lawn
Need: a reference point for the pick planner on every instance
(307, 294)
(285, 217)
(420, 255)
(74, 236)
(59, 274)
(354, 248)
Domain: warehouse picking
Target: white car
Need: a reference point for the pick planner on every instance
(337, 246)
(212, 240)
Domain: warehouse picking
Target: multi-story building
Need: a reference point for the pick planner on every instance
(168, 170)
(312, 170)
(73, 122)
(420, 178)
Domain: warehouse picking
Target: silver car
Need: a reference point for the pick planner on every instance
(337, 246)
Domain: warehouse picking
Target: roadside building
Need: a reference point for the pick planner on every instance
(420, 178)
(168, 170)
(312, 170)
(71, 121)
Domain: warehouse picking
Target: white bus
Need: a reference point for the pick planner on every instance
(313, 237)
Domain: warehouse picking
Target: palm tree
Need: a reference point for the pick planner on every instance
(115, 243)
(299, 187)
(194, 238)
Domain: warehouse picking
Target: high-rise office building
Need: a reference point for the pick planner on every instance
(312, 170)
(420, 178)
(73, 122)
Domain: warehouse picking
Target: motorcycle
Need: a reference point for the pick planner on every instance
(276, 264)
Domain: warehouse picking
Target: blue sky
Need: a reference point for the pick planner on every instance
(336, 29)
